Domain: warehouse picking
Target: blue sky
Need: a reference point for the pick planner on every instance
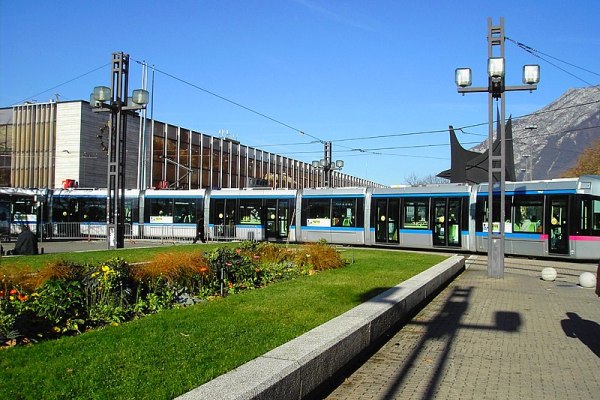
(336, 70)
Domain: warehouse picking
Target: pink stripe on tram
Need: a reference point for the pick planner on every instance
(585, 238)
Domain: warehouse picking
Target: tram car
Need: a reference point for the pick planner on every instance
(170, 214)
(335, 215)
(81, 213)
(423, 217)
(252, 214)
(553, 218)
(21, 207)
(557, 218)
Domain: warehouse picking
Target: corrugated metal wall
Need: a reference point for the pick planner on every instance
(33, 145)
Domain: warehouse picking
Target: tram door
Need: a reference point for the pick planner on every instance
(386, 226)
(446, 223)
(277, 219)
(224, 219)
(557, 221)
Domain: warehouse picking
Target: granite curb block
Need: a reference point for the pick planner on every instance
(294, 369)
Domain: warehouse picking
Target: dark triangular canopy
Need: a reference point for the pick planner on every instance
(472, 167)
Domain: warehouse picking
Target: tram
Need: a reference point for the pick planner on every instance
(252, 214)
(548, 218)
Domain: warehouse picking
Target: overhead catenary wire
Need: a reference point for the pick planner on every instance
(353, 151)
(61, 84)
(319, 140)
(536, 53)
(235, 103)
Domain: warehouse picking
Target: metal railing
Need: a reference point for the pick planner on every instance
(97, 231)
(223, 232)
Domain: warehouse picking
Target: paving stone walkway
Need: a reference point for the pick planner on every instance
(513, 338)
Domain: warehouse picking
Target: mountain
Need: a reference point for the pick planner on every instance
(549, 141)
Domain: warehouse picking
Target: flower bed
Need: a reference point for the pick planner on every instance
(67, 299)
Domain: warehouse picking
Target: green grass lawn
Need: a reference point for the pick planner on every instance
(131, 255)
(170, 353)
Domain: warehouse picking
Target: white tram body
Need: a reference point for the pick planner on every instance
(557, 218)
(252, 214)
(334, 215)
(551, 218)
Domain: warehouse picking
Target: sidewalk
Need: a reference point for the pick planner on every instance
(513, 338)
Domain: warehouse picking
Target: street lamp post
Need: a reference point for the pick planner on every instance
(116, 102)
(528, 176)
(496, 162)
(327, 165)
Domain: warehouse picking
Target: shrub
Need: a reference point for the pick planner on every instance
(170, 279)
(319, 257)
(271, 253)
(108, 291)
(239, 270)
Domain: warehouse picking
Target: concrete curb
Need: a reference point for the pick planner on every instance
(294, 369)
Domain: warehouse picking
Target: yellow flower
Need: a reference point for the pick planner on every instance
(56, 329)
(105, 268)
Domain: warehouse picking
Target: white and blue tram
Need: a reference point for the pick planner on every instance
(553, 218)
(547, 218)
(334, 215)
(170, 214)
(252, 214)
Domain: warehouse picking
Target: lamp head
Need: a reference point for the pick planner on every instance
(102, 93)
(496, 67)
(140, 97)
(93, 102)
(462, 77)
(531, 74)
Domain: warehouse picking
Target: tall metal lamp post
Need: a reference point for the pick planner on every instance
(327, 165)
(496, 160)
(116, 102)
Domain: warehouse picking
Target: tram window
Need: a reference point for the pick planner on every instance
(131, 210)
(160, 210)
(596, 216)
(582, 214)
(250, 212)
(24, 209)
(483, 215)
(184, 211)
(4, 211)
(65, 209)
(343, 212)
(318, 212)
(4, 218)
(416, 214)
(93, 210)
(217, 211)
(528, 214)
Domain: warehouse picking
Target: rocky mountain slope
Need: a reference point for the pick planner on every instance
(549, 141)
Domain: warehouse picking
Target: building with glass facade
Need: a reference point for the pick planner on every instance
(63, 144)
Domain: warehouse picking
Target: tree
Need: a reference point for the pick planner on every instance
(588, 162)
(413, 179)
